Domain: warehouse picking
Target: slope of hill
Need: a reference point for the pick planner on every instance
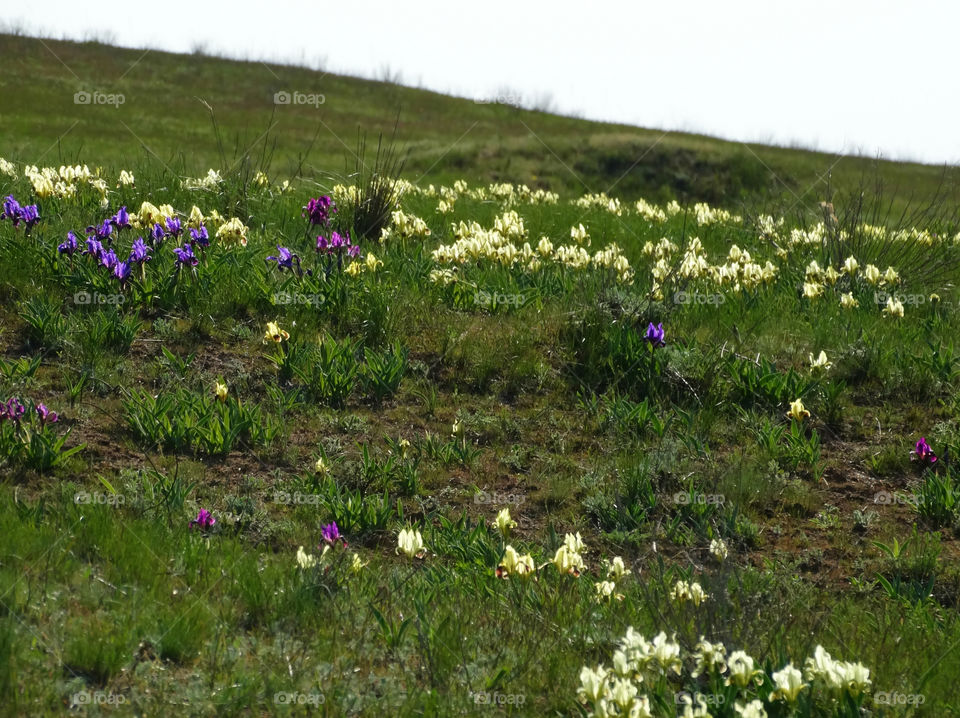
(92, 103)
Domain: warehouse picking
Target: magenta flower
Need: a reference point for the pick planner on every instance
(655, 335)
(331, 533)
(319, 210)
(923, 452)
(13, 410)
(46, 416)
(204, 520)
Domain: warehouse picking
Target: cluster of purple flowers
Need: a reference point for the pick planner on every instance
(13, 410)
(319, 209)
(16, 213)
(337, 244)
(99, 243)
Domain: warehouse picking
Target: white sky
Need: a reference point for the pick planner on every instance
(844, 76)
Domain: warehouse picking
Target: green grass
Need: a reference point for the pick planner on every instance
(401, 397)
(170, 100)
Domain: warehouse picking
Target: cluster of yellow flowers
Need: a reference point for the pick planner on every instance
(475, 243)
(371, 264)
(739, 272)
(502, 192)
(404, 226)
(211, 181)
(637, 662)
(8, 168)
(308, 560)
(65, 182)
(599, 201)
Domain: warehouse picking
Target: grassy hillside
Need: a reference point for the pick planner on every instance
(166, 117)
(246, 471)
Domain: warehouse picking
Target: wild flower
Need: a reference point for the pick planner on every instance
(70, 246)
(683, 592)
(788, 683)
(331, 533)
(616, 569)
(655, 335)
(820, 362)
(894, 308)
(204, 520)
(45, 415)
(285, 260)
(797, 411)
(753, 709)
(718, 549)
(305, 560)
(847, 301)
(513, 563)
(319, 209)
(742, 671)
(220, 391)
(275, 334)
(356, 565)
(185, 256)
(410, 543)
(923, 452)
(139, 252)
(504, 522)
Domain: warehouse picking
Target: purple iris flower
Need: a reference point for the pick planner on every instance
(331, 533)
(140, 252)
(121, 271)
(70, 246)
(103, 231)
(204, 520)
(285, 259)
(923, 452)
(11, 210)
(174, 227)
(322, 243)
(185, 255)
(200, 236)
(46, 416)
(94, 247)
(354, 250)
(655, 335)
(109, 259)
(30, 215)
(12, 410)
(121, 220)
(157, 234)
(319, 210)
